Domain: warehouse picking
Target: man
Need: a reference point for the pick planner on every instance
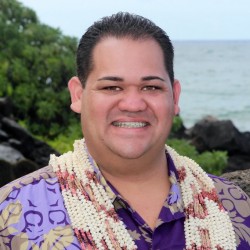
(122, 188)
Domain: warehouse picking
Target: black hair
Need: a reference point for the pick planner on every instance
(121, 25)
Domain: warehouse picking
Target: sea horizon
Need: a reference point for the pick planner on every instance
(215, 80)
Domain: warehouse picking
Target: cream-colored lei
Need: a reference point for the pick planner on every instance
(97, 226)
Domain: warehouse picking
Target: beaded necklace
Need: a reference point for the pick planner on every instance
(97, 225)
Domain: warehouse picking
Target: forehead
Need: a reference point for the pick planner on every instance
(126, 40)
(127, 48)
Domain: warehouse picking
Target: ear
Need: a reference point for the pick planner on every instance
(75, 89)
(176, 92)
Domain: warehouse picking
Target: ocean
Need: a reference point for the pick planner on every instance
(215, 79)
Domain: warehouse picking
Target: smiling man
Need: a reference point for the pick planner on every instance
(122, 187)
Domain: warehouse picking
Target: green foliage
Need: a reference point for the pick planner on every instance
(183, 147)
(212, 162)
(177, 124)
(36, 63)
(64, 142)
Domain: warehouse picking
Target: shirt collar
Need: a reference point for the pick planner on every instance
(174, 193)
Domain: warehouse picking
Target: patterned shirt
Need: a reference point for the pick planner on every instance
(33, 215)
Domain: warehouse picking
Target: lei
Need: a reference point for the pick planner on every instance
(97, 225)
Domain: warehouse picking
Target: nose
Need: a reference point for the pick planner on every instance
(132, 101)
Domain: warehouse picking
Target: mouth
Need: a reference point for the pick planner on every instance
(130, 124)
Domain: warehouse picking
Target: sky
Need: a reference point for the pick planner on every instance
(181, 19)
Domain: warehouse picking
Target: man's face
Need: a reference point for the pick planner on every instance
(128, 104)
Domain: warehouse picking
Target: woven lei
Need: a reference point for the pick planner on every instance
(97, 225)
(207, 224)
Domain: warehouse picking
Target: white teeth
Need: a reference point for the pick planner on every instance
(130, 124)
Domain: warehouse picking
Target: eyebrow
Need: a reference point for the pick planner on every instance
(149, 78)
(119, 79)
(111, 78)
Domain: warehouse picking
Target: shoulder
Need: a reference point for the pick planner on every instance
(33, 215)
(26, 181)
(237, 203)
(228, 190)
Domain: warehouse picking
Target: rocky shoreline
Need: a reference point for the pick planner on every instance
(211, 134)
(21, 153)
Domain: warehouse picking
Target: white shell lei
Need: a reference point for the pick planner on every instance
(95, 222)
(208, 226)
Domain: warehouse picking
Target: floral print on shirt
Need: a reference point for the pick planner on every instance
(33, 215)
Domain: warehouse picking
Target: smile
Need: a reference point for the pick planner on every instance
(130, 124)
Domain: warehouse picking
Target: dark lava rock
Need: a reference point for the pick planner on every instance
(31, 148)
(10, 154)
(15, 130)
(211, 134)
(240, 178)
(6, 172)
(5, 106)
(20, 152)
(24, 167)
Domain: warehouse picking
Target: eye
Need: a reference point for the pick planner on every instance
(112, 88)
(151, 88)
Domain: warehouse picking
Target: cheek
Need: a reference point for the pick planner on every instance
(163, 107)
(96, 111)
(90, 106)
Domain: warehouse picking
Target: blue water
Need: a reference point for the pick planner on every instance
(215, 78)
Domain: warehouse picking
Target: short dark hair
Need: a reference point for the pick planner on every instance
(121, 25)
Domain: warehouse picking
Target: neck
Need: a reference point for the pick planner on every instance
(137, 173)
(119, 166)
(145, 189)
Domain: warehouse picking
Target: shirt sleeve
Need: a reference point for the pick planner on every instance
(33, 216)
(237, 203)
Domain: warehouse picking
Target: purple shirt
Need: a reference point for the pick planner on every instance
(33, 215)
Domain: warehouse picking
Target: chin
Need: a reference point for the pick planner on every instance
(130, 152)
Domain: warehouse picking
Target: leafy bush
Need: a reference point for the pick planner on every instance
(64, 142)
(212, 162)
(36, 64)
(177, 124)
